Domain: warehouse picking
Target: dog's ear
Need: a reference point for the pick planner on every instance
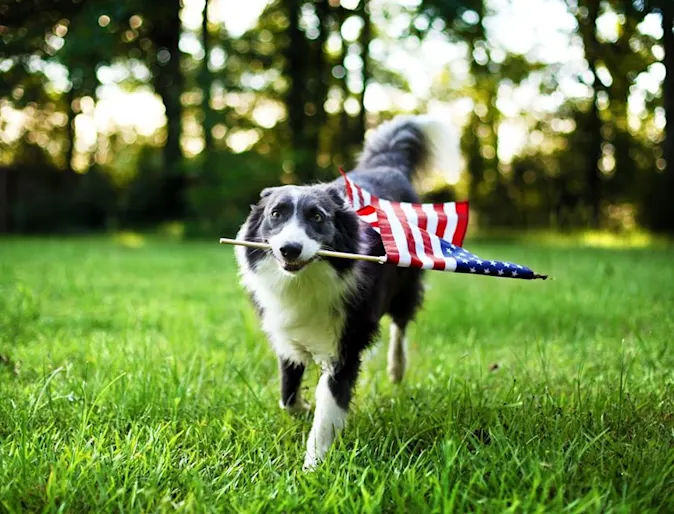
(336, 195)
(266, 192)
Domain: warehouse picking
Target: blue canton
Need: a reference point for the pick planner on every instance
(466, 262)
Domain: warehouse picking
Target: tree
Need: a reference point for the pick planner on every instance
(667, 11)
(586, 13)
(168, 82)
(206, 83)
(365, 40)
(296, 54)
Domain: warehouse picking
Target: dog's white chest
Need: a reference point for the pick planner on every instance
(303, 315)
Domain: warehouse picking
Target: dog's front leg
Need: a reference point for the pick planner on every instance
(291, 382)
(333, 396)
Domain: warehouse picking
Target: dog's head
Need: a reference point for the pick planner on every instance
(298, 221)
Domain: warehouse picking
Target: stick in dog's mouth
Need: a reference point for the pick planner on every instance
(379, 259)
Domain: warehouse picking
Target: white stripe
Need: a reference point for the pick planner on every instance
(432, 228)
(356, 197)
(411, 214)
(355, 203)
(367, 198)
(370, 219)
(450, 264)
(452, 221)
(398, 233)
(432, 216)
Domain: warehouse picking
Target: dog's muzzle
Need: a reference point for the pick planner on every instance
(290, 253)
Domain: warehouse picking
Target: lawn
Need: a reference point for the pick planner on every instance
(134, 377)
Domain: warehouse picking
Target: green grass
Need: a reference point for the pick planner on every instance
(137, 379)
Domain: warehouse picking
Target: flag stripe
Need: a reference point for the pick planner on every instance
(360, 196)
(462, 225)
(432, 217)
(452, 221)
(368, 214)
(349, 191)
(424, 253)
(417, 235)
(442, 219)
(422, 222)
(390, 246)
(422, 218)
(401, 237)
(417, 218)
(415, 261)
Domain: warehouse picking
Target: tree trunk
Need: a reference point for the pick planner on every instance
(70, 128)
(668, 94)
(206, 81)
(593, 174)
(322, 78)
(169, 83)
(365, 38)
(295, 59)
(345, 135)
(476, 163)
(4, 200)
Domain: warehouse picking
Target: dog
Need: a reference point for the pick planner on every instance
(328, 310)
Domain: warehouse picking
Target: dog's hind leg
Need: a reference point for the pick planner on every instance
(402, 310)
(397, 353)
(291, 380)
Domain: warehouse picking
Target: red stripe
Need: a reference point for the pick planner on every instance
(461, 224)
(421, 216)
(364, 211)
(392, 254)
(442, 219)
(367, 212)
(422, 223)
(439, 262)
(361, 200)
(400, 214)
(347, 182)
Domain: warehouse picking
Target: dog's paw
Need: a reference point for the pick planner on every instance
(311, 462)
(296, 408)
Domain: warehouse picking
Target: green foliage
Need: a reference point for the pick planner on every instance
(144, 199)
(50, 200)
(219, 198)
(139, 380)
(291, 90)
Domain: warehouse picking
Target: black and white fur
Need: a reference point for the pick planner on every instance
(328, 310)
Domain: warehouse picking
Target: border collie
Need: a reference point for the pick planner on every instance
(328, 310)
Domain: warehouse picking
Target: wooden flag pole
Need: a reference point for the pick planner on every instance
(328, 253)
(321, 253)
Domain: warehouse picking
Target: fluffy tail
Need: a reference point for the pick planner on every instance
(412, 144)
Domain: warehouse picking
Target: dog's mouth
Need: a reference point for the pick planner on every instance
(294, 266)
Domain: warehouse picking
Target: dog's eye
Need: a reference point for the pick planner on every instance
(275, 214)
(317, 217)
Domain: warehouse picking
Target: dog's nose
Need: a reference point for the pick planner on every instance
(291, 251)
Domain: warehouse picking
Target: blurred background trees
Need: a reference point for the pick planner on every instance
(131, 113)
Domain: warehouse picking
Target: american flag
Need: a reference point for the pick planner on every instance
(418, 235)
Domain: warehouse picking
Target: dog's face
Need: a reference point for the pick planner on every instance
(298, 221)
